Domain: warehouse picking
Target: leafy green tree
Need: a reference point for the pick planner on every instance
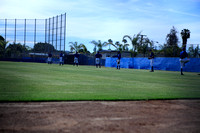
(185, 34)
(1, 38)
(134, 41)
(172, 38)
(15, 50)
(3, 45)
(43, 47)
(171, 48)
(194, 52)
(144, 46)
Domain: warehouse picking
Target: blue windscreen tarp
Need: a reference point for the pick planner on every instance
(160, 63)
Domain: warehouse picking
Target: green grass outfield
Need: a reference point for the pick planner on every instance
(42, 82)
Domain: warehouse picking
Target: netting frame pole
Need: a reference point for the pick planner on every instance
(49, 33)
(64, 31)
(24, 32)
(56, 31)
(15, 31)
(45, 30)
(5, 28)
(60, 32)
(52, 32)
(35, 33)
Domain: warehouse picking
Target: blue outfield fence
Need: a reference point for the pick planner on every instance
(160, 63)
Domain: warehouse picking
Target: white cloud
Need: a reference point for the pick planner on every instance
(183, 13)
(105, 19)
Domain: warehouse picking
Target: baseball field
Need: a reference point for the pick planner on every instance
(42, 82)
(36, 97)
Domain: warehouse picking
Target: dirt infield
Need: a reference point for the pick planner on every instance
(156, 116)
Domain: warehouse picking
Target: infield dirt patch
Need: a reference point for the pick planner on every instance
(156, 116)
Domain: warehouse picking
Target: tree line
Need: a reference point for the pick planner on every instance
(140, 45)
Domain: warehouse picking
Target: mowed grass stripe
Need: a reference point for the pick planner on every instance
(37, 82)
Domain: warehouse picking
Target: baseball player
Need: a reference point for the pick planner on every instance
(61, 58)
(183, 59)
(76, 55)
(49, 60)
(98, 56)
(118, 59)
(151, 58)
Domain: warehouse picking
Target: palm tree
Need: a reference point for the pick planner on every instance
(110, 42)
(99, 45)
(185, 33)
(125, 46)
(74, 46)
(77, 47)
(134, 41)
(118, 45)
(83, 48)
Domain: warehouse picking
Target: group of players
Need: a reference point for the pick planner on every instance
(183, 59)
(97, 59)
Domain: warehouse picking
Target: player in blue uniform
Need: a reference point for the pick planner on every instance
(98, 57)
(183, 59)
(76, 55)
(118, 59)
(61, 62)
(49, 60)
(151, 58)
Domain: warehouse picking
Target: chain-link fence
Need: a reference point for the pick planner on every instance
(30, 32)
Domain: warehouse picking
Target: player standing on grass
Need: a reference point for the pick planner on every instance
(49, 60)
(98, 57)
(183, 59)
(118, 59)
(61, 58)
(151, 58)
(76, 55)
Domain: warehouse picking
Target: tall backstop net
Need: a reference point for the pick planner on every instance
(32, 31)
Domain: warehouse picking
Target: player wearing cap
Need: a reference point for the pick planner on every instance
(76, 55)
(61, 58)
(98, 57)
(183, 59)
(49, 60)
(151, 58)
(118, 59)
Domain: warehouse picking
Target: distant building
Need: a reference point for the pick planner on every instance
(111, 53)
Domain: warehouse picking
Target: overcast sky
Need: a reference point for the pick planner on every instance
(89, 20)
